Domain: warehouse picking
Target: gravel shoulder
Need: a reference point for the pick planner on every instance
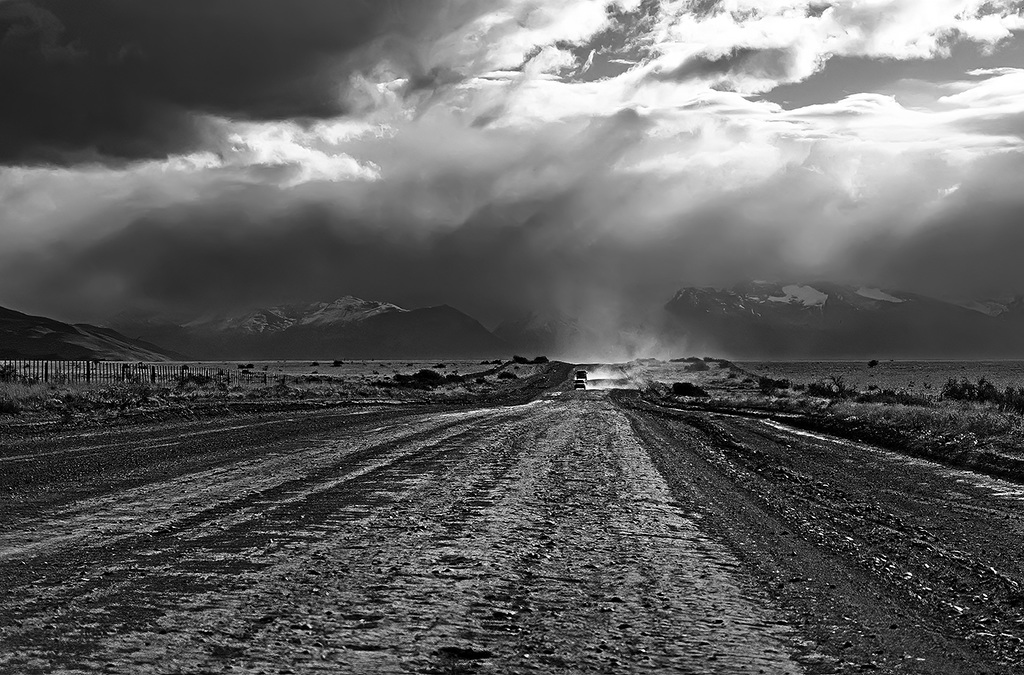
(887, 562)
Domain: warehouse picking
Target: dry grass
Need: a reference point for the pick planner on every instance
(937, 428)
(923, 422)
(364, 386)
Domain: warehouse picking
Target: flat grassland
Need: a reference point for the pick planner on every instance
(962, 413)
(920, 376)
(287, 383)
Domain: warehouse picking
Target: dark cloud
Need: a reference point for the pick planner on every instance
(742, 61)
(566, 251)
(970, 248)
(223, 255)
(126, 79)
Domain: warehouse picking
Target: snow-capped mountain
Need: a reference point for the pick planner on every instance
(819, 320)
(346, 328)
(276, 319)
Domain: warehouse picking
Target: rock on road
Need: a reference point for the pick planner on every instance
(581, 532)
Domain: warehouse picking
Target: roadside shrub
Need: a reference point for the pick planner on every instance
(9, 406)
(506, 375)
(834, 387)
(872, 363)
(315, 364)
(688, 389)
(441, 365)
(194, 379)
(769, 385)
(8, 373)
(337, 363)
(522, 360)
(1010, 399)
(541, 359)
(422, 378)
(964, 390)
(128, 394)
(893, 397)
(1013, 400)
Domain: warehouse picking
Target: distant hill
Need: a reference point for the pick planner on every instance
(23, 336)
(348, 328)
(826, 320)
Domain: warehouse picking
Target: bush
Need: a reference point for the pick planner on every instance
(872, 363)
(522, 360)
(769, 385)
(424, 378)
(315, 364)
(441, 365)
(697, 367)
(688, 389)
(427, 375)
(1010, 399)
(453, 377)
(194, 379)
(1013, 400)
(8, 373)
(337, 363)
(963, 390)
(505, 375)
(9, 406)
(129, 394)
(893, 397)
(834, 387)
(541, 359)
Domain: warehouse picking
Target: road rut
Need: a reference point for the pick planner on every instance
(532, 538)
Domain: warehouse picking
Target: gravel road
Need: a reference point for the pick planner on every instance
(581, 532)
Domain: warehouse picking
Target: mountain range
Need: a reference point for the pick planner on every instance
(346, 328)
(23, 336)
(750, 320)
(826, 320)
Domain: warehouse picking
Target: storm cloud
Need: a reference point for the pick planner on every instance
(186, 157)
(121, 79)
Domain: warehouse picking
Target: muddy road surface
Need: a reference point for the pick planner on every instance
(580, 532)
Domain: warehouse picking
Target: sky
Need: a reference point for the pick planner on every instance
(190, 156)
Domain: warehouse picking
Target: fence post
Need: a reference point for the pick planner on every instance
(88, 371)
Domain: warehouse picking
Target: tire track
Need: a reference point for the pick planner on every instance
(531, 538)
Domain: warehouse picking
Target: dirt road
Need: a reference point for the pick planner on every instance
(582, 532)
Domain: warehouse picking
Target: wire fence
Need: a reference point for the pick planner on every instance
(109, 372)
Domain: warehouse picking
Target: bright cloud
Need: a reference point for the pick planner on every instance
(633, 133)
